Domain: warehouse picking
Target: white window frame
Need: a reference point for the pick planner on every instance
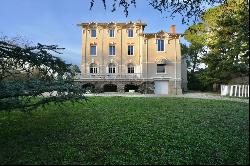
(95, 69)
(157, 42)
(114, 33)
(112, 69)
(131, 66)
(132, 49)
(95, 50)
(165, 70)
(91, 33)
(132, 33)
(114, 50)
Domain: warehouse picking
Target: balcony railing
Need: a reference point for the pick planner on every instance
(109, 76)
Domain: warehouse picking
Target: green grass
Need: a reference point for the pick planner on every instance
(119, 130)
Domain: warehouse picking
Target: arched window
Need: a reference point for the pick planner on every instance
(93, 68)
(111, 68)
(131, 68)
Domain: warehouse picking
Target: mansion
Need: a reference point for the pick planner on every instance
(121, 57)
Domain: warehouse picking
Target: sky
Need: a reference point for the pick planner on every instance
(54, 21)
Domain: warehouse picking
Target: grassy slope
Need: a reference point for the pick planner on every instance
(119, 130)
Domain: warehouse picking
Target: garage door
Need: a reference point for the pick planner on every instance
(161, 87)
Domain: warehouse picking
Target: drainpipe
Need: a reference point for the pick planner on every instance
(86, 52)
(102, 54)
(141, 50)
(147, 67)
(175, 83)
(139, 53)
(121, 50)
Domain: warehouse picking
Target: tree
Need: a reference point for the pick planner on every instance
(187, 9)
(193, 53)
(229, 50)
(224, 32)
(27, 72)
(74, 69)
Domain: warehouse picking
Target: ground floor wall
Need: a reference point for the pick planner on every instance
(121, 86)
(174, 88)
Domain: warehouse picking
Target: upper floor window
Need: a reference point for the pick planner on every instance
(93, 50)
(130, 33)
(93, 32)
(111, 33)
(111, 50)
(130, 50)
(131, 68)
(111, 68)
(93, 68)
(160, 45)
(161, 68)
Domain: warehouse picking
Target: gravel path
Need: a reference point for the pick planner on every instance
(214, 96)
(199, 95)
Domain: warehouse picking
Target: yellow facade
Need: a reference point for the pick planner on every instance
(146, 54)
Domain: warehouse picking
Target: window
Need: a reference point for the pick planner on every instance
(93, 50)
(111, 33)
(111, 68)
(160, 45)
(130, 33)
(130, 50)
(111, 50)
(93, 32)
(161, 68)
(131, 68)
(93, 68)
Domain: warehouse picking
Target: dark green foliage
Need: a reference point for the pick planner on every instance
(27, 72)
(122, 130)
(74, 69)
(193, 53)
(229, 52)
(224, 35)
(22, 59)
(196, 83)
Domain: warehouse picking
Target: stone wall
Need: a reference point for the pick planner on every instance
(143, 86)
(172, 90)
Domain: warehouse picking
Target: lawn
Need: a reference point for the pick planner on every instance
(120, 130)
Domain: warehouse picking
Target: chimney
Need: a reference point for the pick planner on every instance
(172, 29)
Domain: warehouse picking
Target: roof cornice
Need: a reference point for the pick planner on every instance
(112, 24)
